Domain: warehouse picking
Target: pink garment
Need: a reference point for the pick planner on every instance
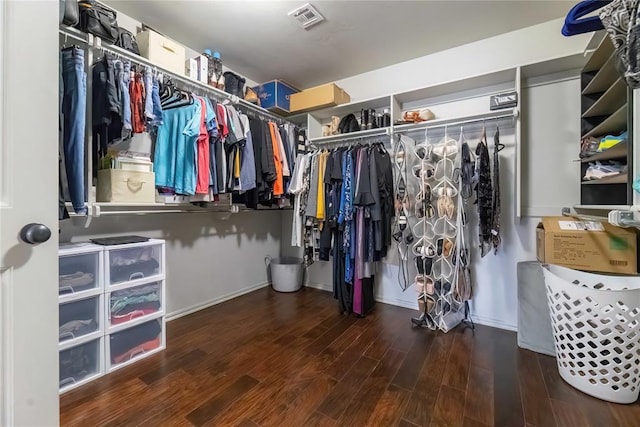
(202, 176)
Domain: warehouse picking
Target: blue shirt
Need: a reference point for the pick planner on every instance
(176, 152)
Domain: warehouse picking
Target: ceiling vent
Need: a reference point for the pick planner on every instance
(307, 16)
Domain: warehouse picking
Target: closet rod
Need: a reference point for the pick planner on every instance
(350, 139)
(622, 221)
(67, 33)
(216, 93)
(461, 121)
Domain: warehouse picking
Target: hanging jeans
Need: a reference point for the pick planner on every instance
(148, 90)
(74, 97)
(157, 106)
(123, 73)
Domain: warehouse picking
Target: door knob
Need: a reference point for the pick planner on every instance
(35, 233)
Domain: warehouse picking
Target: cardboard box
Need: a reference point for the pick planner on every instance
(202, 64)
(328, 95)
(162, 51)
(275, 95)
(191, 68)
(126, 186)
(587, 245)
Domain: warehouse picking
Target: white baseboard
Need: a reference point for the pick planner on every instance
(320, 286)
(494, 323)
(201, 306)
(481, 320)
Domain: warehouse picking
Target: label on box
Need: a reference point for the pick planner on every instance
(581, 225)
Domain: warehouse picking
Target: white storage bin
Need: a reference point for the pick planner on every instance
(136, 261)
(596, 331)
(126, 186)
(80, 270)
(80, 318)
(134, 343)
(133, 304)
(162, 51)
(81, 364)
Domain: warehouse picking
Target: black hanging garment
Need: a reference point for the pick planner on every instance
(495, 208)
(484, 193)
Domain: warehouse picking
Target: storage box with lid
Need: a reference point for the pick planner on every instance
(126, 186)
(275, 95)
(79, 270)
(587, 245)
(134, 263)
(328, 95)
(162, 51)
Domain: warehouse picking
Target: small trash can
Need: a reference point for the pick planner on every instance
(596, 331)
(286, 273)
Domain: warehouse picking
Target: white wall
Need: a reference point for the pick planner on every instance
(550, 116)
(530, 45)
(208, 259)
(134, 25)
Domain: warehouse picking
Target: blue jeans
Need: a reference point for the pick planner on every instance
(155, 98)
(123, 73)
(148, 90)
(74, 97)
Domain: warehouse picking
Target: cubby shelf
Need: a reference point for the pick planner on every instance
(615, 123)
(622, 178)
(603, 78)
(618, 151)
(610, 101)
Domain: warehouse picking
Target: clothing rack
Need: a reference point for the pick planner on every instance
(94, 47)
(219, 95)
(459, 121)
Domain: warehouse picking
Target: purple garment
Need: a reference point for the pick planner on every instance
(359, 242)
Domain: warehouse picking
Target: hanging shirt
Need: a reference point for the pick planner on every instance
(203, 172)
(312, 197)
(248, 165)
(322, 165)
(278, 185)
(296, 188)
(175, 151)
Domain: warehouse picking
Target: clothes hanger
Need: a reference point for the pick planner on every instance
(574, 25)
(496, 140)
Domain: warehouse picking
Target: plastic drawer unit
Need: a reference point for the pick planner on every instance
(80, 320)
(80, 270)
(81, 364)
(134, 262)
(134, 305)
(134, 343)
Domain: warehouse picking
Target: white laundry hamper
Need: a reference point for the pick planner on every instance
(286, 273)
(596, 331)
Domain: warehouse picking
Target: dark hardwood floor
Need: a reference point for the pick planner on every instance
(269, 359)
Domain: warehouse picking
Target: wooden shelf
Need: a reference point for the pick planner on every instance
(605, 77)
(351, 135)
(600, 54)
(610, 101)
(622, 178)
(618, 151)
(617, 122)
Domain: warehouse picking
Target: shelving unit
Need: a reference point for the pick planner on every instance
(94, 48)
(606, 108)
(619, 151)
(615, 179)
(81, 319)
(118, 273)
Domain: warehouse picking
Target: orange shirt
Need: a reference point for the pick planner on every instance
(278, 185)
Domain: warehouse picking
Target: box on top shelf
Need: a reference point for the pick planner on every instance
(275, 95)
(327, 95)
(162, 51)
(587, 245)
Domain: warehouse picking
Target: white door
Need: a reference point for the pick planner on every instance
(28, 194)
